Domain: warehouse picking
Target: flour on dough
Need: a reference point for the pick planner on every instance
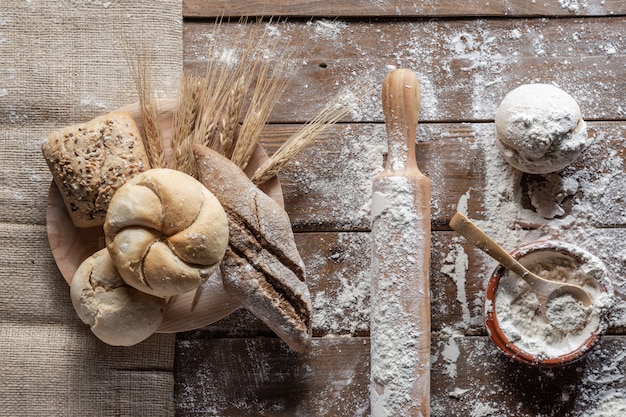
(539, 129)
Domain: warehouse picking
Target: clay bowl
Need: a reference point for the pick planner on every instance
(71, 245)
(517, 327)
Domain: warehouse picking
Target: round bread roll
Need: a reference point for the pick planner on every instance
(117, 313)
(165, 232)
(539, 129)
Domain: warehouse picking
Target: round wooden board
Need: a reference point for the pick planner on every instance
(71, 245)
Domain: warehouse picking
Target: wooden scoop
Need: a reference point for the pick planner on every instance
(400, 306)
(544, 289)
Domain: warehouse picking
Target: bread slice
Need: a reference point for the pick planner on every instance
(262, 267)
(90, 161)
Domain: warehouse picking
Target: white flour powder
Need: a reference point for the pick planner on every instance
(611, 404)
(539, 128)
(566, 313)
(570, 325)
(399, 372)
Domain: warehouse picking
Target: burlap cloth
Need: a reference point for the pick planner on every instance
(61, 63)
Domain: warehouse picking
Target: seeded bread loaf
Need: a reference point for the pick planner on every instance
(90, 161)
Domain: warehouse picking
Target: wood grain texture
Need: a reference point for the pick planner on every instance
(341, 164)
(261, 377)
(338, 274)
(392, 8)
(465, 66)
(251, 377)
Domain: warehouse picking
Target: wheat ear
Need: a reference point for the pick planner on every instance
(328, 116)
(232, 113)
(139, 61)
(219, 78)
(271, 83)
(184, 123)
(264, 98)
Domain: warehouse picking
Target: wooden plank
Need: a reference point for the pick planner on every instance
(251, 377)
(254, 377)
(482, 381)
(466, 67)
(338, 274)
(376, 8)
(328, 185)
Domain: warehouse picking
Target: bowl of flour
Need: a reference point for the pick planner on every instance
(569, 329)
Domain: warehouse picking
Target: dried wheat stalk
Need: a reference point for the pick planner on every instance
(328, 116)
(184, 123)
(232, 113)
(140, 64)
(270, 86)
(226, 87)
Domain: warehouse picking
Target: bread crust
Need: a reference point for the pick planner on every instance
(117, 313)
(165, 232)
(262, 267)
(89, 162)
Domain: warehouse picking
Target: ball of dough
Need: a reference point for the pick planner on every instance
(165, 232)
(539, 129)
(117, 313)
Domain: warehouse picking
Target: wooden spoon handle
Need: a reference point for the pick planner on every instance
(542, 287)
(466, 228)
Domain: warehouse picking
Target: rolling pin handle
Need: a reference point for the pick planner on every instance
(401, 107)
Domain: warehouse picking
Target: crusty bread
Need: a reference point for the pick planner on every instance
(262, 266)
(117, 313)
(90, 161)
(165, 232)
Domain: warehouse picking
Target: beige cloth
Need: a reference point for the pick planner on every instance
(61, 63)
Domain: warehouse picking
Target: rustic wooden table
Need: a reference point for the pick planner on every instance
(468, 55)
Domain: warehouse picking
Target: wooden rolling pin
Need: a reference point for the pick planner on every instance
(400, 312)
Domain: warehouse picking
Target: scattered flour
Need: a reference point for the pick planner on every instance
(450, 351)
(573, 5)
(328, 29)
(455, 266)
(547, 196)
(347, 310)
(357, 160)
(462, 204)
(483, 410)
(611, 404)
(457, 392)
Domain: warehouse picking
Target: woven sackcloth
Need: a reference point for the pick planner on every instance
(62, 62)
